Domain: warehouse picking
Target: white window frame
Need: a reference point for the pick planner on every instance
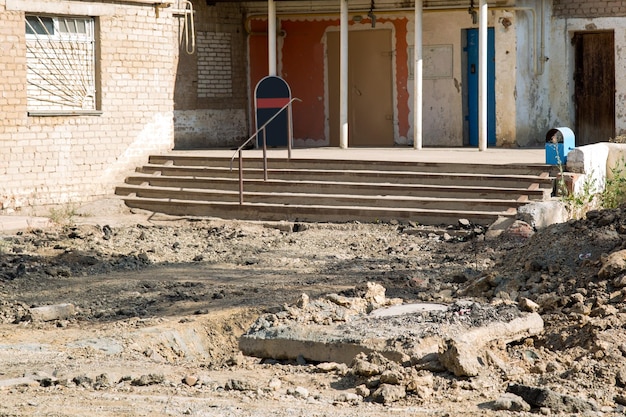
(61, 65)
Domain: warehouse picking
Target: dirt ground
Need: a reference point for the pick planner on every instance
(159, 304)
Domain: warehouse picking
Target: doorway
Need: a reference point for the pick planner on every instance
(594, 80)
(370, 93)
(471, 87)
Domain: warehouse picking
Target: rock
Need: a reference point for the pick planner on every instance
(529, 305)
(421, 385)
(299, 392)
(363, 367)
(82, 381)
(375, 293)
(303, 301)
(238, 385)
(546, 398)
(391, 377)
(511, 402)
(619, 282)
(145, 380)
(275, 384)
(362, 391)
(613, 265)
(190, 380)
(460, 354)
(519, 229)
(464, 223)
(349, 397)
(459, 358)
(340, 368)
(386, 394)
(53, 312)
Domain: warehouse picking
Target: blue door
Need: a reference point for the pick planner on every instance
(471, 106)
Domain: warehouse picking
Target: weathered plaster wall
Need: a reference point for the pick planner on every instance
(301, 63)
(561, 66)
(210, 94)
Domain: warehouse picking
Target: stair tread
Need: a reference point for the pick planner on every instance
(317, 195)
(314, 206)
(144, 177)
(539, 177)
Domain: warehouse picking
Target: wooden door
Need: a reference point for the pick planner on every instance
(594, 76)
(370, 94)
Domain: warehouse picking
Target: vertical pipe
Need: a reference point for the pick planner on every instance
(343, 76)
(290, 126)
(418, 75)
(240, 176)
(482, 76)
(271, 37)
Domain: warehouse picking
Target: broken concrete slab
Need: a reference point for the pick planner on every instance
(412, 338)
(53, 312)
(460, 354)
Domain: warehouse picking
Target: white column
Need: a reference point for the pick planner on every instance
(482, 76)
(271, 37)
(418, 75)
(343, 76)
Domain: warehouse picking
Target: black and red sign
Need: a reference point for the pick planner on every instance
(271, 94)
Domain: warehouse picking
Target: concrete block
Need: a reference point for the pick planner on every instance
(591, 160)
(53, 312)
(542, 214)
(406, 338)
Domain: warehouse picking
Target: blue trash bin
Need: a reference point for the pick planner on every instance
(559, 141)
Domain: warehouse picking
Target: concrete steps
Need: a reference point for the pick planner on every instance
(335, 190)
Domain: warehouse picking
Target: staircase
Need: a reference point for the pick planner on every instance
(335, 190)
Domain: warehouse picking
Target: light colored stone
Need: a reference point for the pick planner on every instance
(529, 305)
(613, 265)
(190, 380)
(460, 354)
(389, 393)
(511, 402)
(53, 312)
(541, 214)
(275, 384)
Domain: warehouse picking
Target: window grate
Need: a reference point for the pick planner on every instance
(60, 57)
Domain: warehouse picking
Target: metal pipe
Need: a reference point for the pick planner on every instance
(240, 176)
(271, 37)
(264, 154)
(418, 76)
(482, 75)
(343, 76)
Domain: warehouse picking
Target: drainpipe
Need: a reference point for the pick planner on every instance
(482, 76)
(418, 75)
(343, 76)
(271, 37)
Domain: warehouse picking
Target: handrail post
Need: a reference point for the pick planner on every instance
(240, 176)
(264, 154)
(290, 127)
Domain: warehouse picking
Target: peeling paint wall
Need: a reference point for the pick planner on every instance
(301, 63)
(561, 66)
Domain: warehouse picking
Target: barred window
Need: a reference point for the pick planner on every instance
(60, 59)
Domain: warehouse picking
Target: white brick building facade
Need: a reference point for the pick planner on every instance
(58, 156)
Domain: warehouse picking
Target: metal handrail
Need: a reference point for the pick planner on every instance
(239, 150)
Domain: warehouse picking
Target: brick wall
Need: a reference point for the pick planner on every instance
(586, 8)
(148, 99)
(211, 96)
